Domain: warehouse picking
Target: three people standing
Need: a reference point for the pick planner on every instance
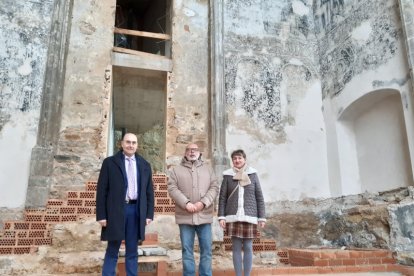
(125, 205)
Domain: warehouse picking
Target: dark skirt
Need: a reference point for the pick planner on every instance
(241, 229)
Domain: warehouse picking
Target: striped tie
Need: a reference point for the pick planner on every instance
(131, 179)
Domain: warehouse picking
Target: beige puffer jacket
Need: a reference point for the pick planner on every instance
(193, 182)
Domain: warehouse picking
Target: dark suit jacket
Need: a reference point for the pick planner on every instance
(111, 192)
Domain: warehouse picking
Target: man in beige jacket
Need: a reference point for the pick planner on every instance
(193, 186)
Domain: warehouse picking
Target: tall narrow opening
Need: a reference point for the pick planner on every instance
(140, 76)
(139, 107)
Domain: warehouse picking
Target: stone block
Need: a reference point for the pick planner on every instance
(184, 139)
(402, 225)
(154, 251)
(67, 158)
(37, 196)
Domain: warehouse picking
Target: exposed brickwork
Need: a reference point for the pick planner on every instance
(21, 237)
(283, 256)
(163, 203)
(335, 257)
(259, 244)
(404, 270)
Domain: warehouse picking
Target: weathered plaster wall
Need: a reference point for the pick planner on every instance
(361, 51)
(24, 28)
(273, 95)
(84, 127)
(188, 98)
(355, 37)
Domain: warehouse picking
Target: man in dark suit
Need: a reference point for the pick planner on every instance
(124, 204)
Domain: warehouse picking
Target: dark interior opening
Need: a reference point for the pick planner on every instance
(142, 15)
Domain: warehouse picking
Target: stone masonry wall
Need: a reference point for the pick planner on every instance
(382, 220)
(188, 97)
(86, 103)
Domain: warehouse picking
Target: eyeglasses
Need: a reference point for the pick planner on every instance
(191, 149)
(128, 142)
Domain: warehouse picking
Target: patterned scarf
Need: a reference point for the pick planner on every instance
(241, 176)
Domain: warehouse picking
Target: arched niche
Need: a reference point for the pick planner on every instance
(373, 145)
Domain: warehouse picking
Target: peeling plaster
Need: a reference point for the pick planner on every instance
(86, 28)
(15, 133)
(300, 8)
(189, 12)
(271, 88)
(351, 44)
(255, 69)
(24, 28)
(26, 68)
(362, 32)
(255, 91)
(390, 83)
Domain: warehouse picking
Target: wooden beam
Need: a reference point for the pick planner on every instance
(141, 33)
(135, 52)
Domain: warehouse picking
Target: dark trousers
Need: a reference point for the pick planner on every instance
(131, 246)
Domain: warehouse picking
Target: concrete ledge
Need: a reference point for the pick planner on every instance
(142, 61)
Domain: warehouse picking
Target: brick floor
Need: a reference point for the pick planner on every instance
(327, 270)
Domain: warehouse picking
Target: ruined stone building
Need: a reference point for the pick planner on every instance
(319, 93)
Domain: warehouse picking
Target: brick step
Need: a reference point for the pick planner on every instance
(337, 257)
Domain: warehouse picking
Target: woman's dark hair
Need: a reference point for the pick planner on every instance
(238, 152)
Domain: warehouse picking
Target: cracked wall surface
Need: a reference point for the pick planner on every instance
(24, 28)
